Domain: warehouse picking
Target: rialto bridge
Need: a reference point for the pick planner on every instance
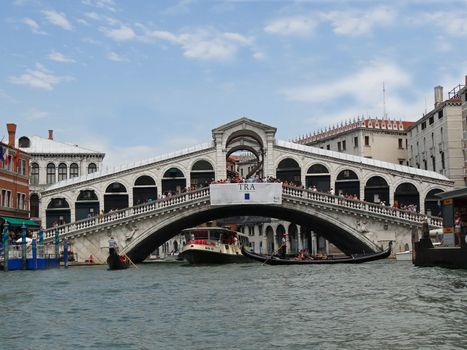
(146, 203)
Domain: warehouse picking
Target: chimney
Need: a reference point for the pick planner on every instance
(11, 134)
(438, 95)
(51, 134)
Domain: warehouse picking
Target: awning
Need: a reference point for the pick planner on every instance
(19, 222)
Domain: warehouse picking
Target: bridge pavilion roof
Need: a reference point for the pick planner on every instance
(362, 160)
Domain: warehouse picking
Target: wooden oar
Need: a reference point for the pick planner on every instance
(274, 252)
(130, 260)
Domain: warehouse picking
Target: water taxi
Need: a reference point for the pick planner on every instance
(213, 245)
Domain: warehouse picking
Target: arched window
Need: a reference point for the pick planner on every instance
(34, 205)
(74, 170)
(24, 142)
(50, 173)
(62, 172)
(34, 174)
(92, 168)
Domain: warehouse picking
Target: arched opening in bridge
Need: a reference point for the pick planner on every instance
(34, 205)
(280, 235)
(173, 182)
(377, 190)
(245, 154)
(406, 196)
(293, 239)
(57, 213)
(269, 240)
(202, 174)
(318, 177)
(115, 197)
(86, 205)
(289, 171)
(432, 203)
(144, 190)
(347, 183)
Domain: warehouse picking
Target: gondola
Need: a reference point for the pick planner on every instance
(118, 262)
(353, 259)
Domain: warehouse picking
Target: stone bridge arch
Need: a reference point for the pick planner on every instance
(344, 236)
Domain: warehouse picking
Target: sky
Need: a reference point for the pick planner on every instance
(137, 79)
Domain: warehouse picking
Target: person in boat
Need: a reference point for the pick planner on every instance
(113, 246)
(282, 249)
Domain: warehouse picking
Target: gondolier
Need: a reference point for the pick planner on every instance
(113, 246)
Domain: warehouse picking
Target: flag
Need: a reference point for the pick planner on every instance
(16, 160)
(1, 153)
(5, 156)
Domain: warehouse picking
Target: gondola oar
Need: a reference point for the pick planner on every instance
(131, 261)
(274, 252)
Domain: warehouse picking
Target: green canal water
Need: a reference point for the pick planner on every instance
(378, 305)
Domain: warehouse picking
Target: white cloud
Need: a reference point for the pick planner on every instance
(355, 23)
(39, 77)
(58, 19)
(300, 26)
(453, 23)
(105, 4)
(124, 33)
(113, 56)
(204, 44)
(32, 24)
(35, 114)
(59, 57)
(363, 86)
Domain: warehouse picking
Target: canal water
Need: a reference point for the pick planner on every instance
(378, 305)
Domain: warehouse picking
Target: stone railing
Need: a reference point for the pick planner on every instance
(122, 214)
(366, 207)
(172, 202)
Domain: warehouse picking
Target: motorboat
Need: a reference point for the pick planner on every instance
(404, 256)
(213, 245)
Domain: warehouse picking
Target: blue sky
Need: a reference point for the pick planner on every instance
(137, 79)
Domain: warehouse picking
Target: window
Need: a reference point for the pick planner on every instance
(440, 114)
(34, 174)
(355, 141)
(74, 170)
(367, 140)
(92, 168)
(401, 161)
(62, 172)
(339, 146)
(50, 173)
(433, 160)
(21, 201)
(24, 170)
(400, 144)
(443, 166)
(344, 147)
(431, 120)
(328, 147)
(425, 164)
(6, 198)
(423, 125)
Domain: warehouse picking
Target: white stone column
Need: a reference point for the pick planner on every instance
(314, 244)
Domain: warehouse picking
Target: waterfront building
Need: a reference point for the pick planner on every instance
(435, 139)
(382, 139)
(463, 96)
(53, 161)
(14, 183)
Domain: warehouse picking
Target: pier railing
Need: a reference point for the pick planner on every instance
(202, 194)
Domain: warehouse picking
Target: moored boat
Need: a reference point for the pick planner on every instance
(404, 256)
(353, 259)
(213, 245)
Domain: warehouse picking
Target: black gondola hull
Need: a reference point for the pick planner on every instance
(117, 262)
(347, 260)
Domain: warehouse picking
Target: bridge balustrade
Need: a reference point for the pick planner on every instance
(126, 213)
(320, 197)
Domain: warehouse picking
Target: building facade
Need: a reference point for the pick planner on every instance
(381, 139)
(463, 96)
(53, 161)
(14, 182)
(435, 140)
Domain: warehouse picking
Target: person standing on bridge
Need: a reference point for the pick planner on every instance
(113, 246)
